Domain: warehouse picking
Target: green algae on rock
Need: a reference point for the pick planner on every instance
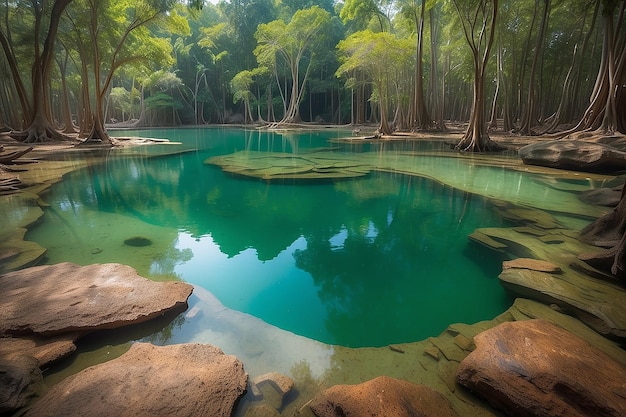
(276, 165)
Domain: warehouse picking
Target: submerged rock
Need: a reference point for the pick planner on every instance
(65, 297)
(138, 241)
(534, 368)
(574, 155)
(177, 380)
(272, 388)
(382, 397)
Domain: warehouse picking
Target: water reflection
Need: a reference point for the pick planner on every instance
(367, 262)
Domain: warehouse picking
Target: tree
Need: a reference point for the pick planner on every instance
(292, 44)
(419, 118)
(529, 119)
(361, 12)
(123, 40)
(36, 109)
(601, 115)
(478, 19)
(609, 231)
(381, 56)
(240, 86)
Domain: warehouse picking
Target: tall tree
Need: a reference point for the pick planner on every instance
(36, 109)
(529, 119)
(118, 37)
(419, 117)
(381, 56)
(293, 43)
(478, 19)
(602, 115)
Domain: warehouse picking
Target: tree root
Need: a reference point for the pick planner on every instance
(7, 158)
(36, 134)
(609, 231)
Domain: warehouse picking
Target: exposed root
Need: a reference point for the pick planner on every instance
(7, 158)
(35, 135)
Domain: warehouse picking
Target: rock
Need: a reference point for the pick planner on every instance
(20, 381)
(574, 155)
(65, 297)
(381, 397)
(272, 388)
(607, 197)
(534, 368)
(534, 264)
(175, 380)
(18, 253)
(45, 351)
(261, 410)
(599, 304)
(282, 383)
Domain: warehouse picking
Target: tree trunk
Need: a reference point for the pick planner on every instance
(421, 118)
(529, 119)
(41, 128)
(476, 138)
(601, 114)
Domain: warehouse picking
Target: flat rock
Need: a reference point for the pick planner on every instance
(534, 264)
(574, 155)
(281, 382)
(45, 351)
(176, 380)
(65, 297)
(272, 387)
(534, 368)
(381, 397)
(599, 304)
(608, 197)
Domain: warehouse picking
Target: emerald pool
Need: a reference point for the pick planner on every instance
(369, 261)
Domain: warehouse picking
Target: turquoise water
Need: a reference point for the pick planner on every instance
(366, 262)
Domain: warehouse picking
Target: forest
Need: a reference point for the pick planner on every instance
(531, 67)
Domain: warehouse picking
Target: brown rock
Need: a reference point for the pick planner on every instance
(601, 305)
(177, 380)
(608, 197)
(65, 297)
(272, 388)
(20, 381)
(381, 397)
(261, 410)
(44, 351)
(534, 368)
(574, 155)
(534, 264)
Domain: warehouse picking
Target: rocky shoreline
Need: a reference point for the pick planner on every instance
(556, 351)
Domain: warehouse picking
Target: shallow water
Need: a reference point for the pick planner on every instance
(365, 262)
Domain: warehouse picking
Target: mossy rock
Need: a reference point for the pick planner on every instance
(138, 241)
(318, 165)
(17, 253)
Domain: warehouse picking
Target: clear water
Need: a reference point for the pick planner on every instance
(366, 262)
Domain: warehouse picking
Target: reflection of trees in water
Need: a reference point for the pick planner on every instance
(365, 279)
(165, 335)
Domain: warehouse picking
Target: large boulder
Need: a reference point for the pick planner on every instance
(65, 297)
(575, 155)
(381, 397)
(177, 380)
(534, 368)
